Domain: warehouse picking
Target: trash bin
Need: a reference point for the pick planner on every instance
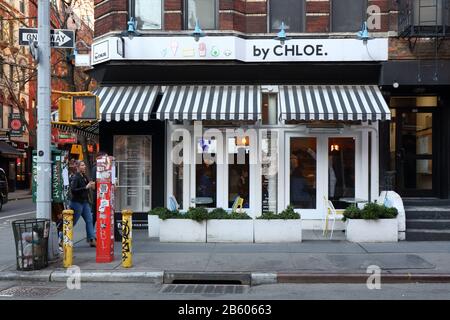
(31, 239)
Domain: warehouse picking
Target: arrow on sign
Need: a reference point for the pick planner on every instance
(59, 38)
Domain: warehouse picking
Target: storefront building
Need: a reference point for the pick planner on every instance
(239, 113)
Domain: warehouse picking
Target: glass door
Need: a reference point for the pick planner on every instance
(302, 174)
(414, 152)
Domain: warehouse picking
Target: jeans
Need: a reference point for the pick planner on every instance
(83, 209)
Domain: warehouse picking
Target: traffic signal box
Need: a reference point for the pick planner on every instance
(76, 107)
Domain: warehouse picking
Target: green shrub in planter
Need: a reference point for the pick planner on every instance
(371, 211)
(222, 214)
(238, 216)
(388, 213)
(197, 214)
(287, 214)
(218, 213)
(376, 211)
(352, 212)
(165, 213)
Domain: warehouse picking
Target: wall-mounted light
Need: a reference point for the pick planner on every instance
(131, 29)
(364, 33)
(281, 36)
(198, 33)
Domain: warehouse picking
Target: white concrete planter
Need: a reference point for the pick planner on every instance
(381, 230)
(153, 226)
(278, 230)
(229, 230)
(182, 230)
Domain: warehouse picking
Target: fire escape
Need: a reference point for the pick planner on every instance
(428, 20)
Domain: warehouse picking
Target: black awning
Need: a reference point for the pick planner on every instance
(8, 151)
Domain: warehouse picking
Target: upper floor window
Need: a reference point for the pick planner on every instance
(22, 6)
(291, 12)
(428, 12)
(11, 32)
(348, 15)
(205, 11)
(1, 28)
(148, 14)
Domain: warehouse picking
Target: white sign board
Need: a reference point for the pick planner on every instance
(83, 60)
(246, 50)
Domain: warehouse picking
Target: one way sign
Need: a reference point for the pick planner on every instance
(59, 38)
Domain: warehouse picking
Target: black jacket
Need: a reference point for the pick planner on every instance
(78, 185)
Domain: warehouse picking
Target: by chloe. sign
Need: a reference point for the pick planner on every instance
(245, 50)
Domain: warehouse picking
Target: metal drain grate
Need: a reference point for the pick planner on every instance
(203, 289)
(29, 292)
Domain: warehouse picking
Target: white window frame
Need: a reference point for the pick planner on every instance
(322, 169)
(134, 14)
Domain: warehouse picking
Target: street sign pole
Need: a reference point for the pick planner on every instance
(44, 164)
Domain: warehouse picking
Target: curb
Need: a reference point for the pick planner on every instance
(94, 276)
(257, 278)
(21, 198)
(361, 278)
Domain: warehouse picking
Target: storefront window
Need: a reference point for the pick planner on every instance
(133, 160)
(206, 173)
(239, 170)
(202, 10)
(303, 175)
(341, 170)
(269, 177)
(148, 14)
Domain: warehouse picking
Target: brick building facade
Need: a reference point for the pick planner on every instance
(406, 57)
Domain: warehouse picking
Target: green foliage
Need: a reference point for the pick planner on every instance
(197, 214)
(287, 214)
(371, 211)
(389, 213)
(157, 211)
(165, 213)
(352, 212)
(238, 216)
(218, 213)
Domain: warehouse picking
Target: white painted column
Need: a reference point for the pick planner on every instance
(362, 191)
(375, 162)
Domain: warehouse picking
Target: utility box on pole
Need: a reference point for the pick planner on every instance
(105, 208)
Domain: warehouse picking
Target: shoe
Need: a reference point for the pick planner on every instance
(93, 243)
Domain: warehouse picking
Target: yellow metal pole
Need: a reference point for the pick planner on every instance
(68, 237)
(127, 261)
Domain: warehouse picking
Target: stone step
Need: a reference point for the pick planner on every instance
(427, 235)
(428, 214)
(437, 224)
(425, 202)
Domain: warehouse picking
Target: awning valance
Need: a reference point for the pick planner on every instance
(8, 151)
(333, 102)
(219, 102)
(126, 102)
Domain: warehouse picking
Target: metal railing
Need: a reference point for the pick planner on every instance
(424, 18)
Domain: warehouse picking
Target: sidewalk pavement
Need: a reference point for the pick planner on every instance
(20, 195)
(306, 262)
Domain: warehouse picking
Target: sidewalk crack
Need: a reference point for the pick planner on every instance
(210, 256)
(362, 247)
